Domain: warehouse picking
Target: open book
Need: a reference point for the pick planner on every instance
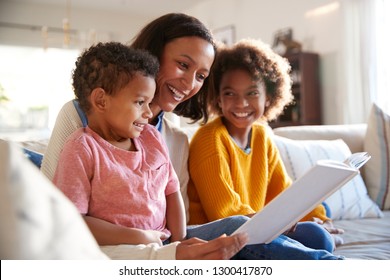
(290, 206)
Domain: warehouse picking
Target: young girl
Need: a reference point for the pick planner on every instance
(235, 167)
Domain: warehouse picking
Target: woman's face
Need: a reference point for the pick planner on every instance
(184, 65)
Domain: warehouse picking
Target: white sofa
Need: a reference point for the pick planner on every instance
(366, 236)
(367, 229)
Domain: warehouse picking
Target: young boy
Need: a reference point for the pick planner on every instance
(114, 85)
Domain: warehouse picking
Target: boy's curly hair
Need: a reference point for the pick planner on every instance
(263, 64)
(109, 66)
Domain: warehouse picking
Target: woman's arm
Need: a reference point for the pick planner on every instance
(107, 233)
(176, 217)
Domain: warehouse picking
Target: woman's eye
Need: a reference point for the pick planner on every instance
(228, 93)
(183, 65)
(201, 77)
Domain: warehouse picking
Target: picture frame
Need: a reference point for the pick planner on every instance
(284, 43)
(226, 34)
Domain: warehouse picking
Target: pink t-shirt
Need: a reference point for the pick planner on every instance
(126, 188)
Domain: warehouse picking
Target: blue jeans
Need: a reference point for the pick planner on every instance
(282, 248)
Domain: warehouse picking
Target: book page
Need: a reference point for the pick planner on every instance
(357, 160)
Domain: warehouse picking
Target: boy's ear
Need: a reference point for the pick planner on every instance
(98, 99)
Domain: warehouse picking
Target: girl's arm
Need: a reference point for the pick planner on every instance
(176, 217)
(107, 233)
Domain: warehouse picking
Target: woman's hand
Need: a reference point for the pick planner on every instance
(221, 248)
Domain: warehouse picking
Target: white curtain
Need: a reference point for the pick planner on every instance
(366, 57)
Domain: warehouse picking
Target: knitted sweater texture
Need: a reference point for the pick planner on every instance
(226, 181)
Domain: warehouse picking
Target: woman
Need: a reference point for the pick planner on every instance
(185, 64)
(186, 51)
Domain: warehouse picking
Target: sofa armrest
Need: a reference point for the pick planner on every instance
(352, 134)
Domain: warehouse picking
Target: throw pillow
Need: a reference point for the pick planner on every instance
(350, 201)
(377, 144)
(37, 220)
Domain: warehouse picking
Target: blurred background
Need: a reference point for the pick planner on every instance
(41, 39)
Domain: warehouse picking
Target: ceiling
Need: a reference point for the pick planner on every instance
(149, 8)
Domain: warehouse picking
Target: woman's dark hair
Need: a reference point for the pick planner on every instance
(155, 35)
(109, 66)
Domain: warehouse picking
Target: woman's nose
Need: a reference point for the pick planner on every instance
(189, 80)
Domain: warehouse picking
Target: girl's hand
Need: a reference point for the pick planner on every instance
(328, 225)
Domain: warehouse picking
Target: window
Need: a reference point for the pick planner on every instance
(34, 84)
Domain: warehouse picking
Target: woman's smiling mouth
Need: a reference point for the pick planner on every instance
(177, 95)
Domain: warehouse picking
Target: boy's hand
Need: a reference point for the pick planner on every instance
(153, 236)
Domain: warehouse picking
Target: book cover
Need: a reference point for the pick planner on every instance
(285, 210)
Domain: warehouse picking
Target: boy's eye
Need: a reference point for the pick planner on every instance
(140, 102)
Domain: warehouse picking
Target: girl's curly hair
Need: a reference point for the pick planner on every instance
(109, 66)
(263, 64)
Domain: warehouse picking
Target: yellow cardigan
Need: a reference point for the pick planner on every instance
(226, 181)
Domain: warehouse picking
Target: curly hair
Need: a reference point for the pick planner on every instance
(156, 34)
(110, 66)
(263, 64)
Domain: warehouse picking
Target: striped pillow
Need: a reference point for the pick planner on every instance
(350, 201)
(377, 170)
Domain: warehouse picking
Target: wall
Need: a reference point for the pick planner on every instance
(262, 18)
(251, 18)
(113, 26)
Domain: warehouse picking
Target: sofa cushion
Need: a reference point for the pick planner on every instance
(377, 144)
(349, 202)
(352, 134)
(37, 220)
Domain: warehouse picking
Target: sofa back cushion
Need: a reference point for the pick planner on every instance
(352, 134)
(377, 144)
(351, 201)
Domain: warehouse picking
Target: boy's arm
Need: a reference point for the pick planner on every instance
(176, 220)
(107, 233)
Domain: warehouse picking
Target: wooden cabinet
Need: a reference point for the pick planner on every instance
(306, 108)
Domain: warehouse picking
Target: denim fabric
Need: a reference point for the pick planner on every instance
(313, 235)
(34, 157)
(282, 248)
(82, 115)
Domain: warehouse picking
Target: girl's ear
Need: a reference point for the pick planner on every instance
(98, 99)
(267, 103)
